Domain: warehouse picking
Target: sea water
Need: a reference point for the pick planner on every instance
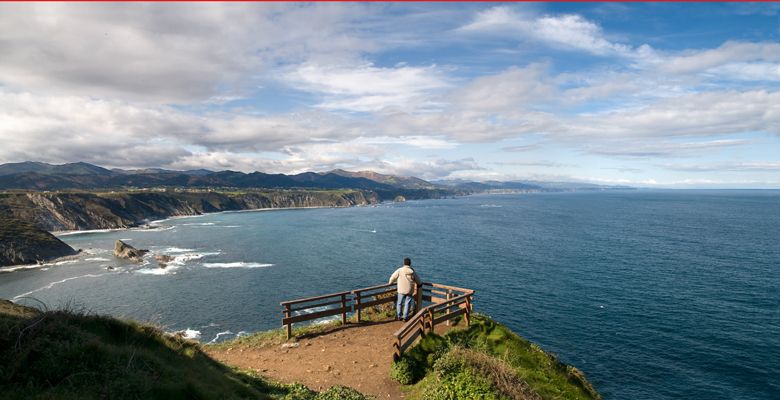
(653, 294)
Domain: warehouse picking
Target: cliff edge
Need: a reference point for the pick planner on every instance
(21, 242)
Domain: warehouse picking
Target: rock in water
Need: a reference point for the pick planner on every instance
(124, 250)
(163, 260)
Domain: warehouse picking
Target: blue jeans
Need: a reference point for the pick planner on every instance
(405, 302)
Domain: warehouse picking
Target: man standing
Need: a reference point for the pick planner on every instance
(407, 282)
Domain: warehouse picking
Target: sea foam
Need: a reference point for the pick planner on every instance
(239, 264)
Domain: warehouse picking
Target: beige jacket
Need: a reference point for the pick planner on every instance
(406, 278)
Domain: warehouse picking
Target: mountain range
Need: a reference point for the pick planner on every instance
(30, 175)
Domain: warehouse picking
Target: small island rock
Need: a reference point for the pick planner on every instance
(124, 250)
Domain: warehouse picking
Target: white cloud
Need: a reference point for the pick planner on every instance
(698, 114)
(729, 53)
(768, 166)
(567, 31)
(166, 52)
(365, 87)
(506, 91)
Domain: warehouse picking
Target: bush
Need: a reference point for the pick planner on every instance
(402, 371)
(297, 391)
(339, 392)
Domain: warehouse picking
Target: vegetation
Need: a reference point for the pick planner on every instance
(70, 355)
(487, 361)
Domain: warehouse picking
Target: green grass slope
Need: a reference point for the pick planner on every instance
(487, 361)
(65, 355)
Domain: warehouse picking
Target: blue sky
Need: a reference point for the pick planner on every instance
(655, 94)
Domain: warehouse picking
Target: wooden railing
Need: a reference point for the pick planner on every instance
(447, 302)
(456, 302)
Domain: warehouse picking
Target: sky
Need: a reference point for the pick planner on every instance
(673, 95)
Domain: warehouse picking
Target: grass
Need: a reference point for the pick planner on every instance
(489, 361)
(69, 355)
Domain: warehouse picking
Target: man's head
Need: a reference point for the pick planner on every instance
(408, 261)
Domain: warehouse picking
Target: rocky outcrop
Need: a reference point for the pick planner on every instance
(23, 243)
(124, 250)
(163, 260)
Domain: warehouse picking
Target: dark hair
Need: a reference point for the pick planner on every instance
(408, 261)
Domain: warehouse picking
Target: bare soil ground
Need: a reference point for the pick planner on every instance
(355, 355)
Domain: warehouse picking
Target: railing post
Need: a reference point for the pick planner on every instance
(397, 349)
(357, 306)
(449, 296)
(468, 310)
(418, 299)
(430, 322)
(343, 309)
(287, 315)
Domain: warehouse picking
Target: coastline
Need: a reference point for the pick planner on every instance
(151, 224)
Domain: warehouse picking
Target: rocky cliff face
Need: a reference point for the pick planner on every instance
(23, 243)
(79, 211)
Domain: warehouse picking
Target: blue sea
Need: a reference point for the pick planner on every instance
(653, 294)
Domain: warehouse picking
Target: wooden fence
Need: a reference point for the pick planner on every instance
(446, 302)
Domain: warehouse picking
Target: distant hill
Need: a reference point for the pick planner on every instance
(79, 168)
(406, 182)
(527, 186)
(42, 176)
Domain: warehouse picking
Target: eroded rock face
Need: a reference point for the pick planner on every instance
(22, 242)
(124, 250)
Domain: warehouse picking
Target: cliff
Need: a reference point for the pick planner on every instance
(109, 210)
(22, 242)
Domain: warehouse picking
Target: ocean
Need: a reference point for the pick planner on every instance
(653, 294)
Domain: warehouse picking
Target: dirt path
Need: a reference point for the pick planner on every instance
(358, 356)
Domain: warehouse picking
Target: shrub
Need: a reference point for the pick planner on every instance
(297, 391)
(339, 392)
(402, 371)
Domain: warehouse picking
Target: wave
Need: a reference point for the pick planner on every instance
(51, 285)
(220, 334)
(176, 250)
(198, 224)
(157, 270)
(81, 232)
(153, 229)
(175, 264)
(239, 264)
(189, 334)
(42, 265)
(184, 258)
(96, 259)
(490, 205)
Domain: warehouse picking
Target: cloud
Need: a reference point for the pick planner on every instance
(567, 31)
(541, 163)
(429, 169)
(365, 87)
(507, 90)
(165, 52)
(114, 133)
(521, 148)
(697, 114)
(655, 149)
(742, 59)
(768, 166)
